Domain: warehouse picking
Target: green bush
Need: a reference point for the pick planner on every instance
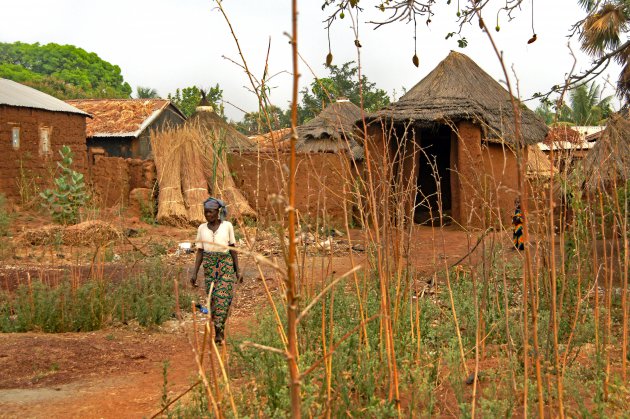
(5, 217)
(70, 192)
(147, 298)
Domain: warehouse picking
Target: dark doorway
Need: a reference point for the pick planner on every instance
(434, 169)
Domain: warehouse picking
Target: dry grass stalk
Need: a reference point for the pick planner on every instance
(194, 183)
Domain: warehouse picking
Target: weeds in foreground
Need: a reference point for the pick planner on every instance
(146, 297)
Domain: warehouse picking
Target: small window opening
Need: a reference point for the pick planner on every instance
(15, 138)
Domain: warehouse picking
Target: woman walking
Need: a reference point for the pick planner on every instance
(517, 226)
(219, 262)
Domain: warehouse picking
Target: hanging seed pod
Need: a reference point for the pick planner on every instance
(357, 43)
(415, 60)
(532, 39)
(481, 24)
(497, 28)
(341, 15)
(329, 59)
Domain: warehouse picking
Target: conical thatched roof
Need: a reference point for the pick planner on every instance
(610, 157)
(207, 120)
(458, 89)
(331, 130)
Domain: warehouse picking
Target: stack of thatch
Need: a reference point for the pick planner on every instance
(96, 233)
(608, 163)
(167, 150)
(191, 165)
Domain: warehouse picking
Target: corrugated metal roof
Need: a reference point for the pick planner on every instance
(16, 94)
(121, 117)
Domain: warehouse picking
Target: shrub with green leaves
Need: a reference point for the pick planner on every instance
(5, 217)
(69, 194)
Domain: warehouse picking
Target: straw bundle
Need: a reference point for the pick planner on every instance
(218, 175)
(166, 146)
(194, 182)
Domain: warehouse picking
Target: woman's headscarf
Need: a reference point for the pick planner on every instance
(214, 203)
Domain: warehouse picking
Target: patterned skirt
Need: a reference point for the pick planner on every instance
(219, 270)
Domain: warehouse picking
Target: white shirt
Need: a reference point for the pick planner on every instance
(223, 236)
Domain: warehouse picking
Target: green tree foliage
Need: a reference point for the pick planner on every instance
(342, 82)
(143, 92)
(256, 122)
(69, 194)
(64, 71)
(188, 98)
(604, 36)
(586, 107)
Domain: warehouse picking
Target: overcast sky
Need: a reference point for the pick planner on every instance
(165, 44)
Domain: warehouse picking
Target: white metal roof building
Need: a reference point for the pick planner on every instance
(18, 95)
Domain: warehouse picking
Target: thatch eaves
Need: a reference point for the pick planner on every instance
(458, 89)
(220, 131)
(608, 162)
(332, 130)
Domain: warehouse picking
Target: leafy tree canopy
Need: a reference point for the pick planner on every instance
(64, 71)
(342, 82)
(188, 98)
(586, 107)
(254, 123)
(143, 92)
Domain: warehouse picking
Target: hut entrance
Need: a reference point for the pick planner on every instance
(435, 156)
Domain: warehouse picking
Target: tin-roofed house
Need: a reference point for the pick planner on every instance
(450, 142)
(122, 127)
(33, 127)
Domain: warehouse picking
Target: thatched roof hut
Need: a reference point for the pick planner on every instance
(458, 89)
(609, 159)
(332, 130)
(215, 127)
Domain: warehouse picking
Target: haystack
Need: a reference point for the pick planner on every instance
(194, 182)
(167, 149)
(221, 134)
(216, 139)
(607, 164)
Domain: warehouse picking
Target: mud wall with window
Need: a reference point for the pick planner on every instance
(25, 164)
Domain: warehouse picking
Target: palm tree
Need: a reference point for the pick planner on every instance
(146, 93)
(587, 106)
(603, 34)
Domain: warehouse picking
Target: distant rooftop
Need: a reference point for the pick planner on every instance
(19, 95)
(120, 117)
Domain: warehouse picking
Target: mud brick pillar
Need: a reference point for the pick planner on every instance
(467, 161)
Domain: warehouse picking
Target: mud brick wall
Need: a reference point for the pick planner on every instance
(142, 173)
(320, 182)
(114, 177)
(110, 180)
(27, 164)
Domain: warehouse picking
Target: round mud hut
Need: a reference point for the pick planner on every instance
(450, 143)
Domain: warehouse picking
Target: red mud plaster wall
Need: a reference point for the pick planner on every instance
(469, 166)
(110, 180)
(114, 177)
(501, 180)
(319, 182)
(64, 129)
